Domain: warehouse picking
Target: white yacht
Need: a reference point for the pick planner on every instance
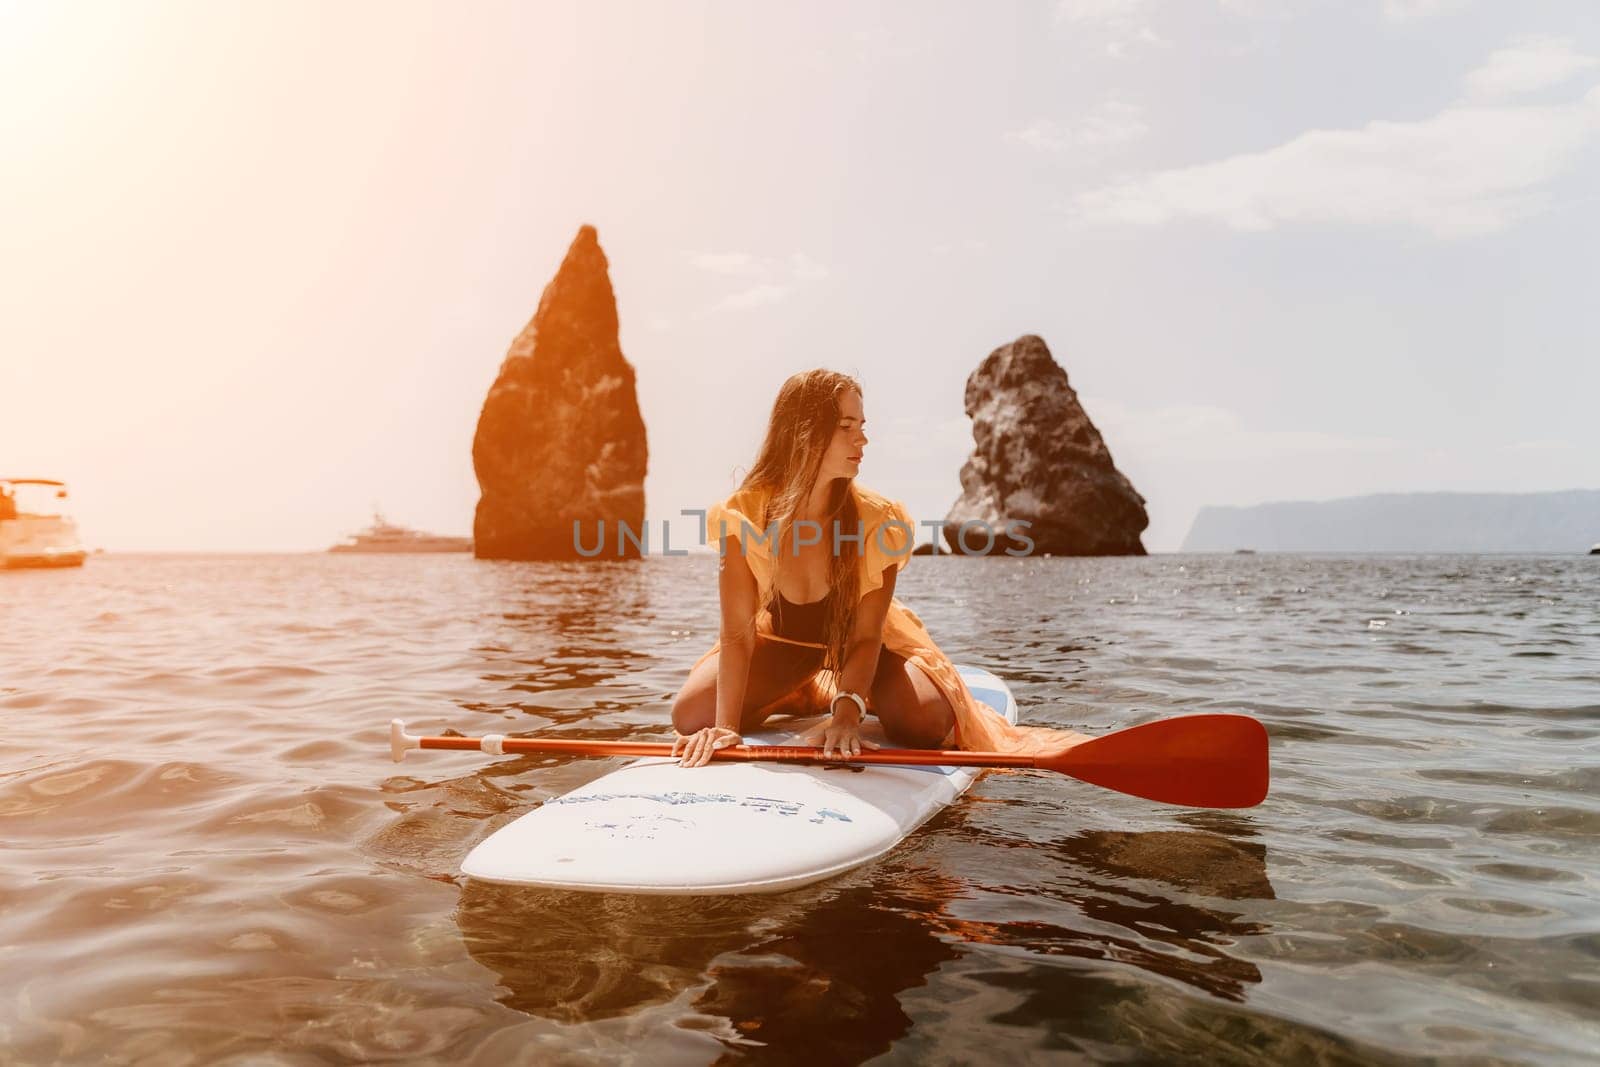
(384, 536)
(36, 525)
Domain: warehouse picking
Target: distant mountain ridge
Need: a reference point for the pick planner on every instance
(1564, 521)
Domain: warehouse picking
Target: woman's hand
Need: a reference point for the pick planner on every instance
(840, 731)
(698, 746)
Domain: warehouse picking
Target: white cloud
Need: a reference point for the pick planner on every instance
(1113, 124)
(1118, 24)
(1526, 66)
(767, 280)
(1470, 169)
(734, 263)
(755, 296)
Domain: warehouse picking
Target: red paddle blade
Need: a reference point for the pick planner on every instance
(1199, 761)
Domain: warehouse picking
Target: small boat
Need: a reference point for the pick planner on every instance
(1594, 550)
(36, 527)
(384, 536)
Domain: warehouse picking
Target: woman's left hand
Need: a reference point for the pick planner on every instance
(840, 731)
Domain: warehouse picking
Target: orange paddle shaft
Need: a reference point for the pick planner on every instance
(1207, 761)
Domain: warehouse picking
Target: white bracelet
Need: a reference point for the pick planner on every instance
(862, 704)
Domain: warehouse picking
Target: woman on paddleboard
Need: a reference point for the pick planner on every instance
(809, 622)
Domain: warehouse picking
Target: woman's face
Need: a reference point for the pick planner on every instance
(843, 457)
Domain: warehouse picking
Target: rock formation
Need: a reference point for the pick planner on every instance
(560, 439)
(1039, 460)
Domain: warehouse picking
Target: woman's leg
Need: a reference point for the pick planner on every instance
(778, 669)
(914, 713)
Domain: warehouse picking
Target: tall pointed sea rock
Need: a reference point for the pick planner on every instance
(560, 438)
(1039, 459)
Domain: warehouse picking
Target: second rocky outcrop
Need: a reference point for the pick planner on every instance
(1039, 459)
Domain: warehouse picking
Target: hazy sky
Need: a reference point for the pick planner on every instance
(262, 260)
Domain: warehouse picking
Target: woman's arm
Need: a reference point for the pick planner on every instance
(841, 731)
(866, 639)
(736, 587)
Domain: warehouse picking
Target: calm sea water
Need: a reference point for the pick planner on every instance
(208, 856)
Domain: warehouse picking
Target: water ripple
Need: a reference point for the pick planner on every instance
(208, 852)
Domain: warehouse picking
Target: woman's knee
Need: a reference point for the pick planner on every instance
(695, 706)
(926, 729)
(914, 713)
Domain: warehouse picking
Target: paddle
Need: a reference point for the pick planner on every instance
(1198, 761)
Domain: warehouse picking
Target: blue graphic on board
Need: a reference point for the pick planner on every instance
(764, 805)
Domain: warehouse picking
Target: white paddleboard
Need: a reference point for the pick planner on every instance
(656, 827)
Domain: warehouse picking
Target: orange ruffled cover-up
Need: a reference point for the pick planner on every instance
(887, 540)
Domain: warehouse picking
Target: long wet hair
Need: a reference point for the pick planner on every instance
(802, 425)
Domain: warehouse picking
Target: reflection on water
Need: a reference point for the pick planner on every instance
(769, 968)
(207, 850)
(574, 956)
(1172, 938)
(845, 960)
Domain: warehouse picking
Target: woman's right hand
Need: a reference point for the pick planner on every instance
(698, 746)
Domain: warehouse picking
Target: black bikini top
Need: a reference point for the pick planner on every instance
(799, 620)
